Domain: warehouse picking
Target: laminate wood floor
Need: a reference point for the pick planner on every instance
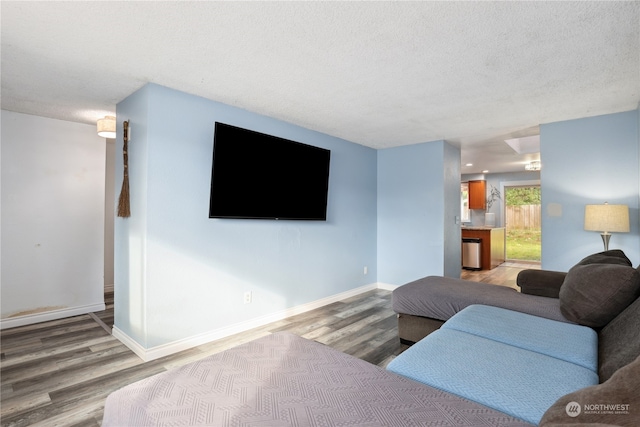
(504, 275)
(59, 373)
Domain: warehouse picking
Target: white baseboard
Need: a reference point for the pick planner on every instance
(28, 319)
(387, 286)
(130, 342)
(156, 352)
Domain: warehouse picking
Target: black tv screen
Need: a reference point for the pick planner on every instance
(259, 176)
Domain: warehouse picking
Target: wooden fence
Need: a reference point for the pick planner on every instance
(523, 217)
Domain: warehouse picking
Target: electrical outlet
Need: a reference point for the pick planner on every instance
(366, 270)
(247, 297)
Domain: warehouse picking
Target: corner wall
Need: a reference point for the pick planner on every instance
(53, 187)
(180, 275)
(109, 210)
(588, 161)
(451, 221)
(418, 202)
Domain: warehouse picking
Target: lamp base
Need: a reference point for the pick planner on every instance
(605, 239)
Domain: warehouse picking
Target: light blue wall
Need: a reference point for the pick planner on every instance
(451, 224)
(412, 237)
(130, 234)
(587, 161)
(179, 273)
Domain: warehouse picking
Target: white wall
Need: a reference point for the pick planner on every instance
(53, 188)
(109, 209)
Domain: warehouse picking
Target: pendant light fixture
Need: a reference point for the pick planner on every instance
(107, 127)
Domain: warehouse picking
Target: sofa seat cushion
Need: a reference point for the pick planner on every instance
(441, 297)
(518, 382)
(571, 343)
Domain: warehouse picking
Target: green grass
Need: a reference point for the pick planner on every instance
(524, 244)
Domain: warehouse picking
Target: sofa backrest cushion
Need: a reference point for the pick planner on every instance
(620, 390)
(593, 294)
(619, 341)
(613, 256)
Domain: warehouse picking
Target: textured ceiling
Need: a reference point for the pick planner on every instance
(380, 74)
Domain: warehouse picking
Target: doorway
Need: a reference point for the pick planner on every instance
(523, 226)
(107, 316)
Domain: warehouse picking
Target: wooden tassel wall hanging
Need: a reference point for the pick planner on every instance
(124, 207)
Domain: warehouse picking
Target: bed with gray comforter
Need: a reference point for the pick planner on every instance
(285, 380)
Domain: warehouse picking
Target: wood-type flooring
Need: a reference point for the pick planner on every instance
(59, 373)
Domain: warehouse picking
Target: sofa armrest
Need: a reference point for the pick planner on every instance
(544, 283)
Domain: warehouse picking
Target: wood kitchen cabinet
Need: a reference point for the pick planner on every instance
(492, 250)
(478, 194)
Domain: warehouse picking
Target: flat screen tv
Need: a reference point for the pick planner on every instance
(259, 176)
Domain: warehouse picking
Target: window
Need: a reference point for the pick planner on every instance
(464, 202)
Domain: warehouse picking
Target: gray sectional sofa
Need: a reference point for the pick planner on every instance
(519, 353)
(510, 361)
(425, 304)
(484, 366)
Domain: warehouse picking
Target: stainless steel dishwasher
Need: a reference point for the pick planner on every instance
(471, 253)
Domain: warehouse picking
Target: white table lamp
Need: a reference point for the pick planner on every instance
(606, 218)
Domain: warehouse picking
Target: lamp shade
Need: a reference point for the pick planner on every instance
(107, 127)
(606, 218)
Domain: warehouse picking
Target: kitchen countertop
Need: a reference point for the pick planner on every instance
(479, 227)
